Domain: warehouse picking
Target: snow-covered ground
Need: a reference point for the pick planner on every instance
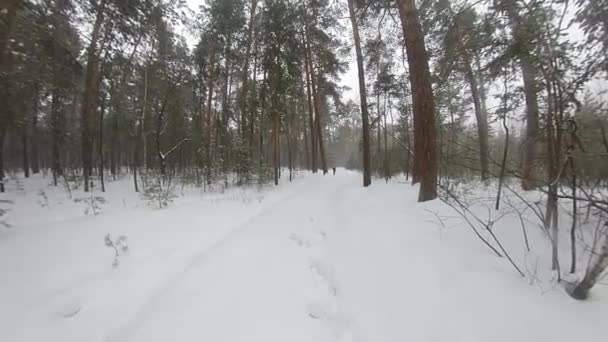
(319, 259)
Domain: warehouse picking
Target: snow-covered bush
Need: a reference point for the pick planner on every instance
(155, 194)
(119, 246)
(93, 204)
(44, 199)
(4, 212)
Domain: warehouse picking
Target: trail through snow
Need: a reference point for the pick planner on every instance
(321, 259)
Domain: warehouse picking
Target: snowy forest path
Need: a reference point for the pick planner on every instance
(254, 277)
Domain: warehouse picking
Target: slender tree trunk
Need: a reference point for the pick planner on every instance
(553, 175)
(144, 133)
(367, 178)
(113, 145)
(209, 114)
(385, 159)
(57, 125)
(409, 147)
(245, 78)
(597, 265)
(531, 179)
(2, 136)
(316, 94)
(480, 116)
(253, 109)
(261, 128)
(275, 146)
(90, 94)
(425, 160)
(311, 120)
(100, 144)
(9, 9)
(25, 159)
(306, 149)
(574, 219)
(505, 153)
(34, 148)
(135, 164)
(378, 158)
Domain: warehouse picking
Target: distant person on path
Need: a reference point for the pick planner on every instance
(334, 169)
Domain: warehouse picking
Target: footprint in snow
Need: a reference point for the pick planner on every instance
(325, 273)
(341, 326)
(69, 309)
(300, 241)
(318, 311)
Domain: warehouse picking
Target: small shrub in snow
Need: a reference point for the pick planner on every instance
(157, 195)
(119, 246)
(92, 204)
(44, 199)
(18, 183)
(4, 213)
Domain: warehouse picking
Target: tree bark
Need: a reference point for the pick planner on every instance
(9, 9)
(2, 136)
(209, 115)
(57, 125)
(35, 154)
(100, 144)
(90, 94)
(275, 145)
(25, 159)
(530, 176)
(316, 94)
(425, 154)
(367, 178)
(480, 115)
(311, 120)
(598, 264)
(245, 79)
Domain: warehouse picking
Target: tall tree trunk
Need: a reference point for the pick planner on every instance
(2, 136)
(316, 94)
(113, 146)
(144, 133)
(480, 116)
(90, 94)
(209, 115)
(34, 149)
(425, 154)
(311, 120)
(367, 178)
(135, 163)
(275, 145)
(531, 178)
(386, 156)
(378, 158)
(9, 10)
(100, 144)
(306, 149)
(261, 128)
(57, 126)
(253, 109)
(552, 174)
(245, 78)
(597, 265)
(25, 158)
(408, 158)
